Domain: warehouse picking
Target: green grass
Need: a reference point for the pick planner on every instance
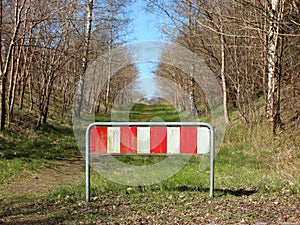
(236, 173)
(238, 165)
(32, 149)
(246, 165)
(147, 113)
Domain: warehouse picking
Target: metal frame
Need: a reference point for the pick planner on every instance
(149, 124)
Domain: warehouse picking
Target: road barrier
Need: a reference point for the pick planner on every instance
(149, 138)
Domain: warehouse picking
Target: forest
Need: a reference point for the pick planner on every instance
(46, 48)
(252, 47)
(249, 48)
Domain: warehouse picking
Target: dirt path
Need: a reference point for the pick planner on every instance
(45, 180)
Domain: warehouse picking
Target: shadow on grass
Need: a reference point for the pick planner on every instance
(217, 192)
(47, 221)
(237, 193)
(49, 142)
(30, 214)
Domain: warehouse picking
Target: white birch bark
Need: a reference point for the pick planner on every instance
(87, 38)
(273, 76)
(192, 46)
(271, 58)
(223, 77)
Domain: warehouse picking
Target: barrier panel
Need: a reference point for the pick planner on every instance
(149, 138)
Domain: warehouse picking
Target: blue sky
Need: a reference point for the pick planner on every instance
(145, 24)
(145, 28)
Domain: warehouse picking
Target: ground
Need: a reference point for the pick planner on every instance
(45, 180)
(29, 203)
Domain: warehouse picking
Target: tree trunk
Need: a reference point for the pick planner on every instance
(108, 82)
(13, 83)
(79, 95)
(191, 28)
(224, 86)
(192, 94)
(3, 100)
(110, 46)
(6, 64)
(2, 78)
(273, 72)
(30, 87)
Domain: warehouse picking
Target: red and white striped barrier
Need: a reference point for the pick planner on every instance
(149, 140)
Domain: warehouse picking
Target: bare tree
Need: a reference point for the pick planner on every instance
(187, 17)
(6, 60)
(87, 38)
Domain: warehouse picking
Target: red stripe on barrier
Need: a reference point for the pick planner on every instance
(128, 140)
(188, 140)
(98, 140)
(158, 140)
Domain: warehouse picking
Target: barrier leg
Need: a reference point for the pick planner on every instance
(87, 168)
(212, 163)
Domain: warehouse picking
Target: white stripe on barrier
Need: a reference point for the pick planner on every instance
(173, 140)
(113, 140)
(203, 140)
(143, 140)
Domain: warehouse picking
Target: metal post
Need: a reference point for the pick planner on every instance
(212, 162)
(87, 165)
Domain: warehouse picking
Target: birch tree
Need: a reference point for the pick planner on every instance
(110, 47)
(275, 10)
(87, 38)
(116, 26)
